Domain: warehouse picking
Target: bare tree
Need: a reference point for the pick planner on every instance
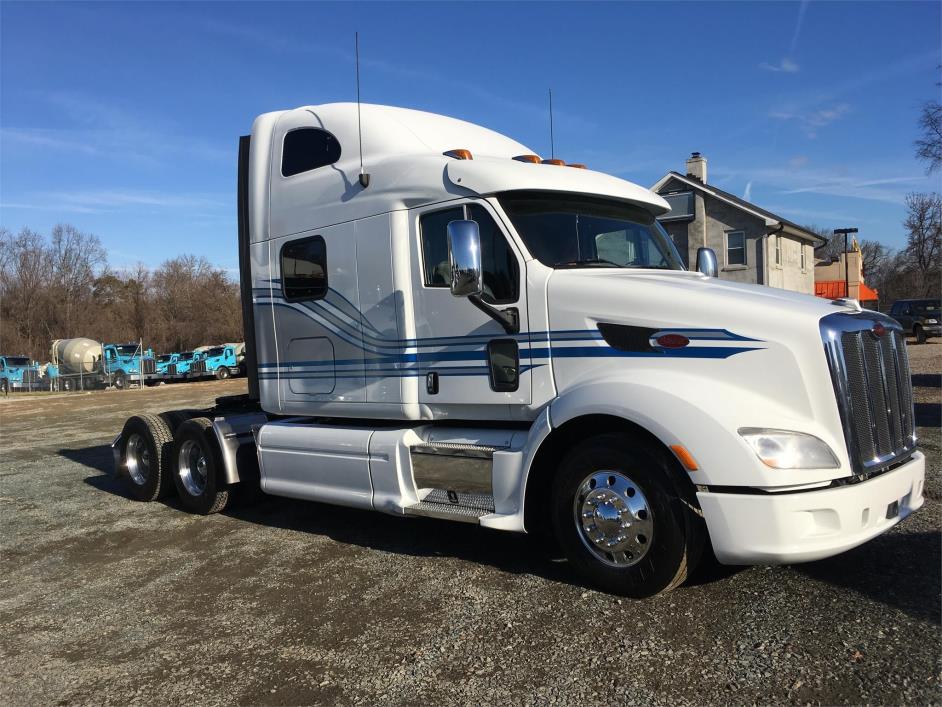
(924, 241)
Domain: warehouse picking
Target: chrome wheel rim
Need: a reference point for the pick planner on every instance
(193, 467)
(613, 518)
(137, 459)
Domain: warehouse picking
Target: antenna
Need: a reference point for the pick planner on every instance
(552, 141)
(364, 178)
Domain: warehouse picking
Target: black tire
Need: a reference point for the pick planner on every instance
(199, 493)
(670, 515)
(175, 418)
(920, 334)
(5, 386)
(152, 480)
(120, 380)
(222, 373)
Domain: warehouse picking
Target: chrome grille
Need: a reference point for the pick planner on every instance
(172, 369)
(873, 387)
(148, 365)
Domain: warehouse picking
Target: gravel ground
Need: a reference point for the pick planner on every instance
(107, 601)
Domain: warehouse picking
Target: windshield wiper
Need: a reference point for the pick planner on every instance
(588, 261)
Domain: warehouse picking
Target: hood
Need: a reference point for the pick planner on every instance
(682, 299)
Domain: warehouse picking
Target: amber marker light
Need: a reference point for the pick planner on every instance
(577, 165)
(558, 163)
(685, 457)
(459, 154)
(533, 159)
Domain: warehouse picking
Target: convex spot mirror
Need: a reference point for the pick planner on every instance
(464, 258)
(706, 262)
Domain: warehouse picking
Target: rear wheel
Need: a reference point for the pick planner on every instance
(620, 520)
(198, 467)
(920, 334)
(146, 448)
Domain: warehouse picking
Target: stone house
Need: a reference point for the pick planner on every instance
(752, 244)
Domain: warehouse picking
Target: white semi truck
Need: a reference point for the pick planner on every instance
(442, 324)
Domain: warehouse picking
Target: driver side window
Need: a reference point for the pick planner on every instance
(500, 271)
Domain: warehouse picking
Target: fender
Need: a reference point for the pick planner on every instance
(678, 413)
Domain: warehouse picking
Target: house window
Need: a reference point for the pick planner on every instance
(803, 257)
(306, 149)
(736, 248)
(778, 250)
(304, 269)
(499, 269)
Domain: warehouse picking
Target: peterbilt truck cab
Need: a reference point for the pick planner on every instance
(443, 324)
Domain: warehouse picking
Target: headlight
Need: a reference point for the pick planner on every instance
(932, 321)
(782, 449)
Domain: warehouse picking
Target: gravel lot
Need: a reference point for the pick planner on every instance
(104, 600)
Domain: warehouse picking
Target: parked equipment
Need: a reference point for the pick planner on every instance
(460, 330)
(18, 373)
(85, 363)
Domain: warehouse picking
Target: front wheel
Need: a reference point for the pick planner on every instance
(920, 335)
(197, 470)
(5, 386)
(620, 520)
(222, 373)
(120, 380)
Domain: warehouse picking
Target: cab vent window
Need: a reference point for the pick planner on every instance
(500, 272)
(307, 149)
(304, 269)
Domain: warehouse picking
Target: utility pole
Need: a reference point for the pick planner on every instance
(844, 232)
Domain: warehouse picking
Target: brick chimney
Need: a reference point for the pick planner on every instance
(697, 167)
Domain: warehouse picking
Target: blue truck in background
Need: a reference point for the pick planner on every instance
(18, 373)
(85, 363)
(222, 361)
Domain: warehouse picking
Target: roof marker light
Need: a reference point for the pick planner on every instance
(577, 165)
(459, 154)
(558, 163)
(534, 159)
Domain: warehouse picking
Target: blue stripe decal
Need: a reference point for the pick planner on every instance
(390, 357)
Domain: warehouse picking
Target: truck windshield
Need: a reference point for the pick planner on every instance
(215, 352)
(186, 356)
(163, 358)
(127, 349)
(572, 231)
(17, 361)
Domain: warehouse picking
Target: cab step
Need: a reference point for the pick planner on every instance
(452, 505)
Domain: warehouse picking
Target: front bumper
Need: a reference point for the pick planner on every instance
(774, 529)
(932, 329)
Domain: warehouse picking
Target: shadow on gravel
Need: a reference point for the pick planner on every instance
(900, 570)
(928, 414)
(927, 380)
(97, 458)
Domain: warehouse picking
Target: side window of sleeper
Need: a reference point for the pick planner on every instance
(306, 149)
(304, 269)
(500, 272)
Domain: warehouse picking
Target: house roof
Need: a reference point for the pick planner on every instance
(835, 289)
(773, 221)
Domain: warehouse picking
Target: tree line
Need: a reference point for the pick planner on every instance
(913, 271)
(60, 286)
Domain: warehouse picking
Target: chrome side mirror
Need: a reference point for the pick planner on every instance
(464, 258)
(706, 262)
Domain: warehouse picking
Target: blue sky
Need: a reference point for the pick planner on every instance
(123, 119)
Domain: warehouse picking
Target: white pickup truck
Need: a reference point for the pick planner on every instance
(459, 329)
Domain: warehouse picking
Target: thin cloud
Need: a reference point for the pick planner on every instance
(813, 120)
(53, 139)
(747, 194)
(802, 7)
(786, 66)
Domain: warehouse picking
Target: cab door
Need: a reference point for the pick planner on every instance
(464, 359)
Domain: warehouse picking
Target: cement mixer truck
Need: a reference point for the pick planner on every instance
(88, 364)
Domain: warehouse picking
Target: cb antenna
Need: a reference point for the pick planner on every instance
(364, 177)
(552, 141)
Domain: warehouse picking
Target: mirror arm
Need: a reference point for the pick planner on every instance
(508, 318)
